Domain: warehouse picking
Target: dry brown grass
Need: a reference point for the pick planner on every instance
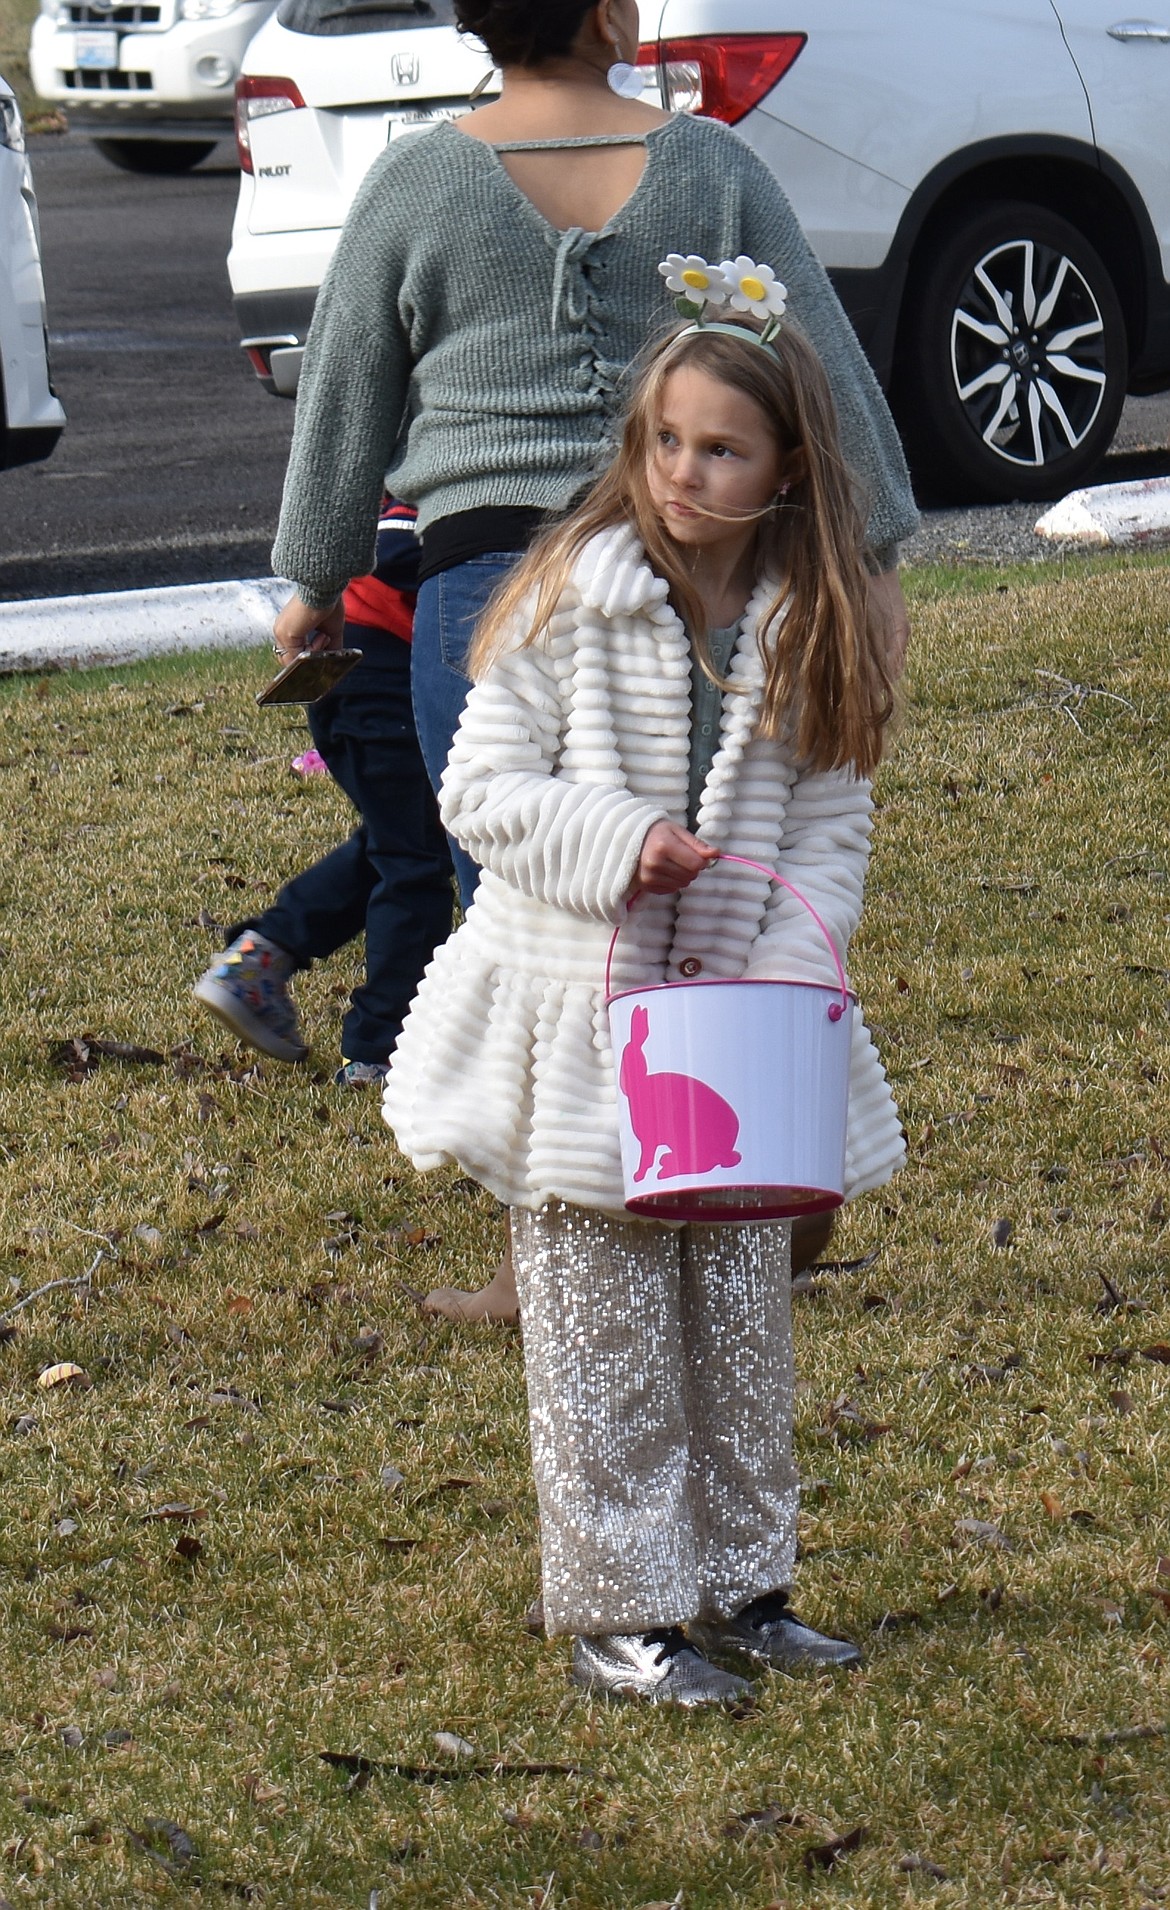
(1014, 958)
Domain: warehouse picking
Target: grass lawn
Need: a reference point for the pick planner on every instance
(288, 1516)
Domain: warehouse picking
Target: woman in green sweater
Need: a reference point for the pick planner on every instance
(493, 282)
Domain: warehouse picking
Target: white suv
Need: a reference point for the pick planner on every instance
(31, 418)
(987, 182)
(152, 80)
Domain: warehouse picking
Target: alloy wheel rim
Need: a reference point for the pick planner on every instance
(1028, 353)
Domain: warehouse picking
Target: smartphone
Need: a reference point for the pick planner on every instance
(311, 675)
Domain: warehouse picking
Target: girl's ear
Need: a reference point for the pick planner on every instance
(793, 469)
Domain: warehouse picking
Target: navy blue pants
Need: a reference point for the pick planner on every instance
(449, 607)
(392, 879)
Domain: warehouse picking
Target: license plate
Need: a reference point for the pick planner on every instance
(413, 117)
(96, 52)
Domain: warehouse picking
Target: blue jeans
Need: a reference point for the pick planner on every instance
(392, 879)
(449, 607)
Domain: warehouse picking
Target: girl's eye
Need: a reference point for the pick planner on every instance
(722, 451)
(665, 437)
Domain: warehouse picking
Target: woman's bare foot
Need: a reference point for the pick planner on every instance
(496, 1302)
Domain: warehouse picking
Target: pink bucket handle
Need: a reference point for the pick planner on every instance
(836, 1008)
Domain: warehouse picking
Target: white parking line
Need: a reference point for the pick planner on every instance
(127, 626)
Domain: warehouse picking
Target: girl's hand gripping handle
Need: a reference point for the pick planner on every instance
(671, 858)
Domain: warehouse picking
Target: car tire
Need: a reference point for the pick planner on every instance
(997, 401)
(155, 155)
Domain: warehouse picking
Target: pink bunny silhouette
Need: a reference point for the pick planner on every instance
(675, 1111)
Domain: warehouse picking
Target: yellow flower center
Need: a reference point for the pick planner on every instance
(753, 288)
(698, 281)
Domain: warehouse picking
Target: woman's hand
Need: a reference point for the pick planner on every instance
(671, 858)
(298, 629)
(892, 617)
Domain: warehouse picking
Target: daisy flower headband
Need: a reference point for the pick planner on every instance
(739, 284)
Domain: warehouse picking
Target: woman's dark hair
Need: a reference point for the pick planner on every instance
(523, 32)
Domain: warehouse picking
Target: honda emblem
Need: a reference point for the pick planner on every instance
(404, 67)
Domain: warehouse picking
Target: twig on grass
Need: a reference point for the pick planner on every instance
(1101, 1740)
(80, 1280)
(1078, 693)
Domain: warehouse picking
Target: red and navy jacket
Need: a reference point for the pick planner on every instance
(385, 599)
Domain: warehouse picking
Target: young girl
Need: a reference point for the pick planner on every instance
(684, 668)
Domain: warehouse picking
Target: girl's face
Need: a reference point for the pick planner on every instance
(713, 463)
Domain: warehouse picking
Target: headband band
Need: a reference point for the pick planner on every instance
(698, 330)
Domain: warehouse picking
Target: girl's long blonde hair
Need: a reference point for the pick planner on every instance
(828, 688)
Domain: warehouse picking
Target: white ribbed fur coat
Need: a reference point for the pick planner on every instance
(566, 755)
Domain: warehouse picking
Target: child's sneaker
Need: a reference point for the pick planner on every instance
(361, 1074)
(247, 987)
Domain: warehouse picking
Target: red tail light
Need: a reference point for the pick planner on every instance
(721, 75)
(257, 96)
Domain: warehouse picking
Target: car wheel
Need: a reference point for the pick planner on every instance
(1012, 371)
(155, 155)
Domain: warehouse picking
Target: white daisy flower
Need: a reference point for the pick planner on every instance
(692, 278)
(754, 288)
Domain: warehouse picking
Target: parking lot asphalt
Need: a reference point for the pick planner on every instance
(171, 466)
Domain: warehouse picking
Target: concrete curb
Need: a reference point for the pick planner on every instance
(129, 626)
(1112, 516)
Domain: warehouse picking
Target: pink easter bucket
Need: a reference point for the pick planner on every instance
(733, 1095)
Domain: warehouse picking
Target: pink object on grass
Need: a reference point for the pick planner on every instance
(312, 763)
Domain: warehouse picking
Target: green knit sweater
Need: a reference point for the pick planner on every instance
(470, 354)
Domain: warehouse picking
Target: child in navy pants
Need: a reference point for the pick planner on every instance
(391, 880)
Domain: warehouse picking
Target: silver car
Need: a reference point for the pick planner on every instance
(31, 416)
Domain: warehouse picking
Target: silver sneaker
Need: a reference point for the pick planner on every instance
(771, 1634)
(659, 1666)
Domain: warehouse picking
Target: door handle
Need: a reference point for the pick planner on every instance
(1138, 30)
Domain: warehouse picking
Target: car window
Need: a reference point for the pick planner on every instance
(363, 16)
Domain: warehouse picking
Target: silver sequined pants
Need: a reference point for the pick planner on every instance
(659, 1364)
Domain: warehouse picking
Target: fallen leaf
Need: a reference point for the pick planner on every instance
(161, 1830)
(148, 1237)
(1002, 1232)
(238, 1304)
(341, 1405)
(391, 1478)
(825, 1856)
(450, 1744)
(897, 1621)
(1159, 1352)
(1122, 1402)
(1052, 1505)
(1162, 1568)
(982, 1532)
(367, 1345)
(65, 1634)
(71, 1737)
(176, 1511)
(188, 1548)
(26, 1424)
(124, 1051)
(771, 1817)
(246, 1230)
(65, 1373)
(590, 1839)
(925, 1868)
(118, 1738)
